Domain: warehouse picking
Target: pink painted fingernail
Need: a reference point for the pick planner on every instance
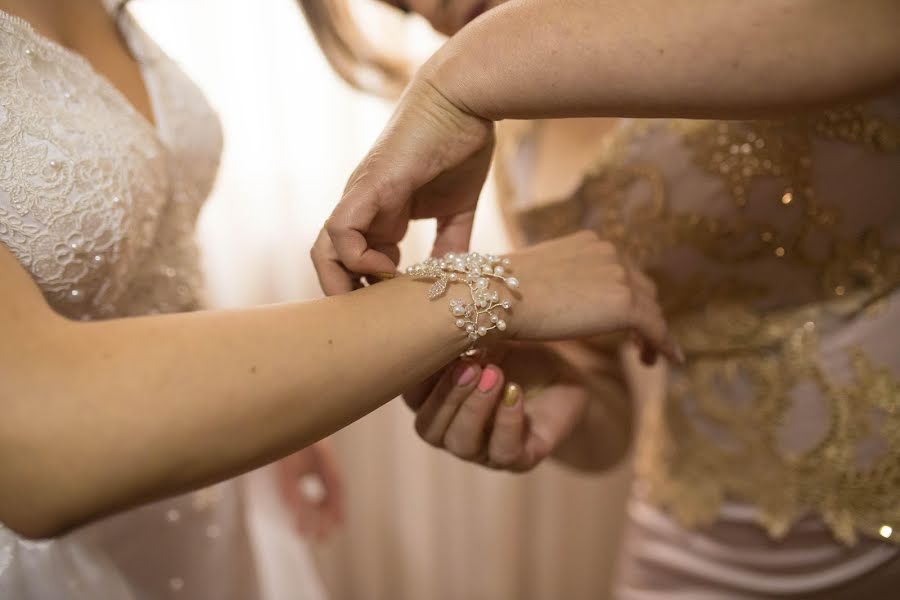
(489, 378)
(464, 374)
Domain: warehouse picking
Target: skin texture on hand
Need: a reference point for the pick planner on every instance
(429, 163)
(516, 405)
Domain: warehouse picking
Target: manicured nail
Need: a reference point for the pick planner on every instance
(464, 374)
(489, 378)
(385, 275)
(511, 395)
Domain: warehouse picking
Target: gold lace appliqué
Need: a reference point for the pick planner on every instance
(751, 351)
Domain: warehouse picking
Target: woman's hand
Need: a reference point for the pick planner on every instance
(566, 402)
(430, 162)
(580, 286)
(310, 485)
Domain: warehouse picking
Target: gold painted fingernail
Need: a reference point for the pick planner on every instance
(385, 275)
(511, 394)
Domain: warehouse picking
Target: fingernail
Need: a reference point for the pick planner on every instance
(383, 275)
(489, 378)
(511, 395)
(464, 374)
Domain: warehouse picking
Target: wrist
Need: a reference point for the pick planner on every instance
(453, 75)
(477, 290)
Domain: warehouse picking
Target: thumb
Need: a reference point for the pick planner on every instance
(454, 233)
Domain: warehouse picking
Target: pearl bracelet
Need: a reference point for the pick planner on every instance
(483, 312)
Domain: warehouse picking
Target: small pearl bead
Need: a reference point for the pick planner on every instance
(470, 328)
(449, 256)
(482, 283)
(482, 331)
(454, 277)
(473, 336)
(486, 269)
(459, 310)
(460, 323)
(494, 318)
(501, 325)
(506, 304)
(499, 271)
(512, 283)
(505, 262)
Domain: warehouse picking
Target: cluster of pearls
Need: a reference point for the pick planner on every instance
(483, 312)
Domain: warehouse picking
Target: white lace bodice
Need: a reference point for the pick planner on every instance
(96, 204)
(99, 206)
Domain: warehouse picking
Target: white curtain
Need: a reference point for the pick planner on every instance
(422, 525)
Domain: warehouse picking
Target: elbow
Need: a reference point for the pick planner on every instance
(36, 530)
(31, 520)
(35, 500)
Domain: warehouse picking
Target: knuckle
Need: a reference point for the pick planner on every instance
(460, 446)
(425, 432)
(602, 245)
(618, 273)
(621, 297)
(332, 226)
(505, 457)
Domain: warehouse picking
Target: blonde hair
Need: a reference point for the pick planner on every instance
(349, 53)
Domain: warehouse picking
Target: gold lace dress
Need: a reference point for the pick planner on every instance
(772, 466)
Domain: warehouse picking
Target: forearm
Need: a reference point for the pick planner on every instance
(116, 413)
(661, 58)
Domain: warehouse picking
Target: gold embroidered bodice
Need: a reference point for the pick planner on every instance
(776, 248)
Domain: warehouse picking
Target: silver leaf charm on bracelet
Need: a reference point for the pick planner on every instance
(484, 309)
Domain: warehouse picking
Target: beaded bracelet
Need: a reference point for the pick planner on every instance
(483, 312)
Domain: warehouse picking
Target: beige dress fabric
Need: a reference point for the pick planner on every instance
(100, 207)
(770, 465)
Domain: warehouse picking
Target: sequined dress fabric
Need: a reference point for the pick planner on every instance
(775, 454)
(99, 206)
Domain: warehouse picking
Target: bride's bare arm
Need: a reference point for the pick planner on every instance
(99, 416)
(707, 59)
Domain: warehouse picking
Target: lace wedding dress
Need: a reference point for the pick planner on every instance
(99, 206)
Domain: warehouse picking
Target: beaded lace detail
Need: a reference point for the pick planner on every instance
(93, 202)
